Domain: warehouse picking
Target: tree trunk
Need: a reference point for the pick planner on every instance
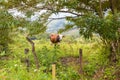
(114, 51)
(112, 6)
(100, 9)
(33, 51)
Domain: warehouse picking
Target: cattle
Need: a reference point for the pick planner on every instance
(56, 38)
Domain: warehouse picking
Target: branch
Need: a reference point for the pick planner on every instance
(52, 9)
(51, 19)
(63, 17)
(100, 8)
(30, 41)
(72, 13)
(33, 51)
(57, 18)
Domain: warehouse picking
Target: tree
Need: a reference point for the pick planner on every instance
(32, 27)
(89, 16)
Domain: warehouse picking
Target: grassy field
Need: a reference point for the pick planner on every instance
(65, 56)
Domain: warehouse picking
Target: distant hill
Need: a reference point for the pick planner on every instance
(72, 32)
(55, 25)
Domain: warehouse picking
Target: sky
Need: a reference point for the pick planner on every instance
(52, 27)
(55, 25)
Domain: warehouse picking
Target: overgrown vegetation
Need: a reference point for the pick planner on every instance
(101, 53)
(65, 56)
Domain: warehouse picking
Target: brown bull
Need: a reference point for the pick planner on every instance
(56, 38)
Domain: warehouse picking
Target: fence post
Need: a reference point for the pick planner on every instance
(27, 61)
(53, 71)
(80, 60)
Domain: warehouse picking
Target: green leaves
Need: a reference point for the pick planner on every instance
(6, 26)
(90, 23)
(35, 27)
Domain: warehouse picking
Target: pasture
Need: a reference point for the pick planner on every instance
(91, 53)
(65, 56)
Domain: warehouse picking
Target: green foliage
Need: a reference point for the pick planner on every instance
(67, 74)
(7, 23)
(87, 18)
(88, 24)
(48, 56)
(104, 27)
(35, 27)
(94, 57)
(108, 74)
(95, 61)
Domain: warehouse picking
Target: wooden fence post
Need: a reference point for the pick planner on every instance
(53, 72)
(80, 60)
(27, 61)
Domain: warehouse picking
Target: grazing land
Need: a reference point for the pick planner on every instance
(95, 64)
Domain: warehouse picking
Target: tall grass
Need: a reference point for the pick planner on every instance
(13, 66)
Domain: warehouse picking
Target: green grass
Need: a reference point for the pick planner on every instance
(12, 66)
